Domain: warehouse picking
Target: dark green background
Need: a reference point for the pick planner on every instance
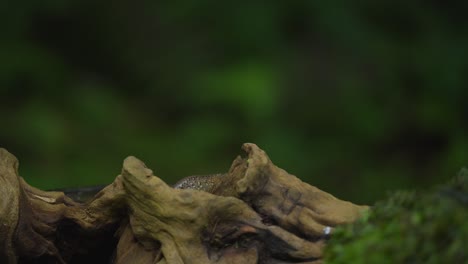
(356, 98)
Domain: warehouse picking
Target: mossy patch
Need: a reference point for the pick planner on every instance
(408, 227)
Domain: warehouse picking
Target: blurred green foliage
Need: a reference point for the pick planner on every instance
(408, 227)
(355, 98)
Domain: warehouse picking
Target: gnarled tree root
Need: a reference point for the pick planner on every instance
(255, 213)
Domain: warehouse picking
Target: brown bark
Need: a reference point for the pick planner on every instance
(255, 213)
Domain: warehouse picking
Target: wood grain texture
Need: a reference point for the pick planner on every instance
(254, 213)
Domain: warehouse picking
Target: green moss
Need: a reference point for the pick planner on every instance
(409, 227)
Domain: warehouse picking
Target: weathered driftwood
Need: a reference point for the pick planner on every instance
(255, 213)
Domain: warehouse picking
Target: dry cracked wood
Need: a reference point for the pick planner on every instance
(255, 213)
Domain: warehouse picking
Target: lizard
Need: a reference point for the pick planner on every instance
(199, 182)
(195, 182)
